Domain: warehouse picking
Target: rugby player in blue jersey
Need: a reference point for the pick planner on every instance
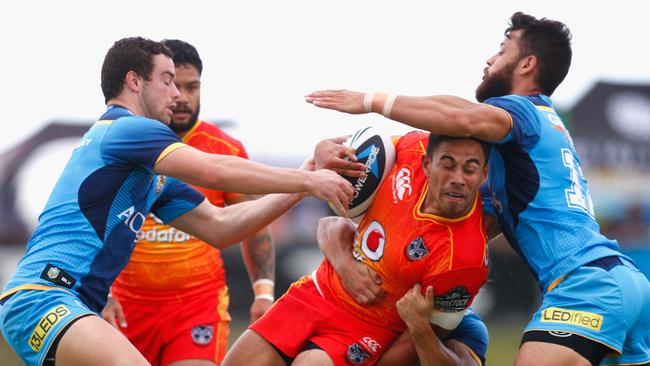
(596, 303)
(128, 164)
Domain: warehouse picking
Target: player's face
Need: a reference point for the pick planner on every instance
(456, 171)
(159, 94)
(188, 104)
(498, 75)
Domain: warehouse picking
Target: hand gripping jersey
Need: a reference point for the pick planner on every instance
(168, 264)
(89, 226)
(539, 193)
(406, 246)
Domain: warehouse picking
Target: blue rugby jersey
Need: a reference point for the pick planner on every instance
(90, 223)
(539, 193)
(473, 333)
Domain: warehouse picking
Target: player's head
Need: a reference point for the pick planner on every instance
(456, 168)
(535, 50)
(140, 73)
(188, 81)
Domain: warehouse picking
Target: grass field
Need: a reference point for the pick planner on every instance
(504, 340)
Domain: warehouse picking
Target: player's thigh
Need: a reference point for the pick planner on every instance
(251, 349)
(193, 362)
(544, 354)
(313, 357)
(92, 341)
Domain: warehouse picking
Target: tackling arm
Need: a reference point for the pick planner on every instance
(441, 115)
(223, 227)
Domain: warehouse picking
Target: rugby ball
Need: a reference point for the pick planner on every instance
(375, 149)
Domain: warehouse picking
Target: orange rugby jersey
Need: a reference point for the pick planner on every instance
(167, 263)
(406, 246)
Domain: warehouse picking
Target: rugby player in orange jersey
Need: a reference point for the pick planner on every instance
(431, 232)
(171, 300)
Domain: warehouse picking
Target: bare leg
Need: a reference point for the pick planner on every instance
(193, 362)
(91, 341)
(313, 357)
(543, 354)
(251, 349)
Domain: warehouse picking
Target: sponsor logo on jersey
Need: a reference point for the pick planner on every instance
(132, 218)
(45, 325)
(58, 276)
(202, 334)
(167, 235)
(160, 183)
(402, 188)
(356, 355)
(583, 319)
(416, 249)
(372, 345)
(452, 301)
(373, 241)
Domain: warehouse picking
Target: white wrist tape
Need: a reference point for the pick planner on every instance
(367, 102)
(388, 105)
(269, 297)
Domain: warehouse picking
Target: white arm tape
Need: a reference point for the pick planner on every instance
(447, 321)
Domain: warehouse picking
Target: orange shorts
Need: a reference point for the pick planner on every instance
(166, 332)
(303, 316)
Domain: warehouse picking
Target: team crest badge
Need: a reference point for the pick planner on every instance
(160, 183)
(373, 241)
(53, 272)
(416, 249)
(356, 355)
(202, 334)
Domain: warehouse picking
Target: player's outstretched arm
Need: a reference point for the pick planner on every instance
(335, 237)
(415, 310)
(441, 115)
(223, 227)
(235, 174)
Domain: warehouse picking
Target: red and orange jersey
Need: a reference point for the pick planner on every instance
(168, 264)
(406, 246)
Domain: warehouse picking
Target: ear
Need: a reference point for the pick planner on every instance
(132, 81)
(527, 65)
(485, 174)
(425, 164)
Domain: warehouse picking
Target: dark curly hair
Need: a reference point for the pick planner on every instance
(435, 140)
(129, 54)
(550, 41)
(184, 53)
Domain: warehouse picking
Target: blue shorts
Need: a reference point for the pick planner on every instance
(608, 305)
(31, 320)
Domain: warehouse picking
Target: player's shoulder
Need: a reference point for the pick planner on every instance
(209, 136)
(414, 139)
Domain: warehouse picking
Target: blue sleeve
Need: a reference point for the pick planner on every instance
(488, 207)
(176, 199)
(526, 125)
(137, 140)
(473, 333)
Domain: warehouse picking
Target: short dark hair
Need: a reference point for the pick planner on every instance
(435, 140)
(184, 53)
(129, 54)
(550, 41)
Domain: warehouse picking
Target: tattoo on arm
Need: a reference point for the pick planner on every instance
(259, 256)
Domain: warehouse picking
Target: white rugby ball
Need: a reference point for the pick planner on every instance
(375, 149)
